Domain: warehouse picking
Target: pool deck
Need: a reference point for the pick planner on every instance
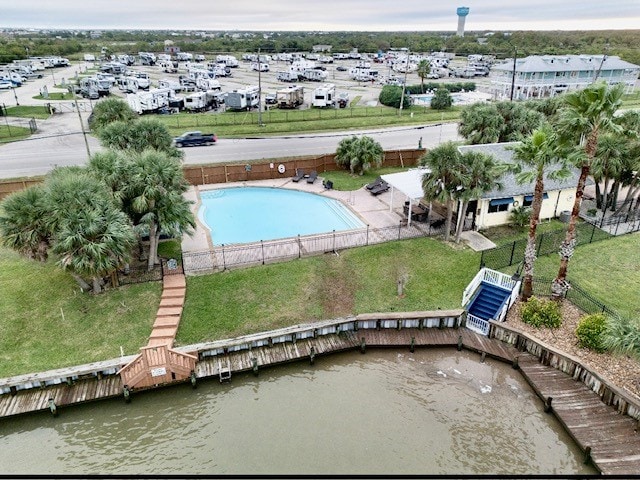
(371, 209)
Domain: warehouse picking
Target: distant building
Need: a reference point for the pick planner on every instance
(549, 75)
(321, 48)
(462, 15)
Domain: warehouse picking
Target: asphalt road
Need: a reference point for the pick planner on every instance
(60, 141)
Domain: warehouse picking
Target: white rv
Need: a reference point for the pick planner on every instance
(314, 75)
(242, 98)
(152, 101)
(290, 97)
(184, 57)
(205, 84)
(169, 66)
(260, 67)
(324, 96)
(288, 76)
(170, 84)
(227, 60)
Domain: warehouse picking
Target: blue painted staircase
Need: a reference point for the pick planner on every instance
(488, 301)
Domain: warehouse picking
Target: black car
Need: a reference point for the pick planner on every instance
(341, 68)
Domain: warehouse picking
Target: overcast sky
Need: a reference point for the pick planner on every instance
(323, 15)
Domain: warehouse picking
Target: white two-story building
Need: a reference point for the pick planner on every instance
(548, 75)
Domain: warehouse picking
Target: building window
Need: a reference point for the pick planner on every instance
(500, 204)
(528, 199)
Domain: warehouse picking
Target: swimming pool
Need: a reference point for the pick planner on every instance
(250, 214)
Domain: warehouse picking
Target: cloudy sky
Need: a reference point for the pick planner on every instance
(327, 15)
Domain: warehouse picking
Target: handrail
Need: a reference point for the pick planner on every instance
(472, 287)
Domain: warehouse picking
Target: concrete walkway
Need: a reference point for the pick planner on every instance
(477, 241)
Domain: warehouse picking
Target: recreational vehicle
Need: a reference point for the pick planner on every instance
(153, 101)
(314, 75)
(242, 99)
(169, 66)
(260, 67)
(227, 60)
(288, 76)
(205, 84)
(324, 96)
(170, 84)
(184, 57)
(147, 58)
(290, 97)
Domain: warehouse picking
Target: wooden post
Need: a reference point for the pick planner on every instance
(587, 455)
(547, 405)
(482, 358)
(312, 355)
(515, 365)
(459, 342)
(126, 393)
(413, 344)
(52, 407)
(441, 323)
(254, 362)
(363, 345)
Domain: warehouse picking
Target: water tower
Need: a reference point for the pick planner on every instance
(462, 14)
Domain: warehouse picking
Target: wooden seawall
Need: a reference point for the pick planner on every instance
(602, 419)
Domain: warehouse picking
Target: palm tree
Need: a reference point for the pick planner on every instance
(480, 175)
(359, 154)
(444, 179)
(424, 69)
(607, 167)
(23, 223)
(139, 136)
(586, 115)
(110, 110)
(536, 158)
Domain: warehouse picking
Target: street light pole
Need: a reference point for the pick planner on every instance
(15, 95)
(259, 91)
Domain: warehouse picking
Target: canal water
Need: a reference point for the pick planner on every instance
(436, 411)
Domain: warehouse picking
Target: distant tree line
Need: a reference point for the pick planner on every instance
(611, 42)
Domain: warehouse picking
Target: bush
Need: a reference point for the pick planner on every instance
(390, 95)
(541, 313)
(623, 336)
(590, 332)
(441, 99)
(520, 216)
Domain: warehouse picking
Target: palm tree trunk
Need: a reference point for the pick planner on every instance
(605, 196)
(530, 249)
(153, 246)
(447, 226)
(560, 286)
(461, 218)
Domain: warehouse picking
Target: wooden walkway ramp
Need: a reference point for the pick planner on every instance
(611, 440)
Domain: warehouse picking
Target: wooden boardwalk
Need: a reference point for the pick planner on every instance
(612, 439)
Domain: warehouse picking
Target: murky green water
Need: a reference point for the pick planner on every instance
(387, 412)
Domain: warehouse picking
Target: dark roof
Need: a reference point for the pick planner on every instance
(503, 154)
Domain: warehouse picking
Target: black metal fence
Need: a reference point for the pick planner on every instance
(224, 257)
(576, 295)
(546, 243)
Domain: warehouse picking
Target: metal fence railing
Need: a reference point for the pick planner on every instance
(576, 295)
(230, 256)
(546, 243)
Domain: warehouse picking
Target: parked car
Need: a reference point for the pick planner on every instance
(192, 139)
(343, 99)
(341, 68)
(270, 99)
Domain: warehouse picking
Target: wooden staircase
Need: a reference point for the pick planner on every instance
(157, 363)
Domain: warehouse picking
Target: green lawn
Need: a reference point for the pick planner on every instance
(344, 181)
(356, 281)
(29, 111)
(504, 234)
(10, 133)
(45, 322)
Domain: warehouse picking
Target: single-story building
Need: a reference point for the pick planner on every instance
(494, 208)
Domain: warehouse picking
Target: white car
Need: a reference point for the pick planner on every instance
(5, 84)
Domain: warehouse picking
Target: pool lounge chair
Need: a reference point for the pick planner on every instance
(312, 176)
(376, 183)
(299, 175)
(380, 188)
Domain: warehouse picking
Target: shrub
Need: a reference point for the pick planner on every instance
(441, 99)
(623, 336)
(541, 313)
(390, 95)
(590, 332)
(520, 216)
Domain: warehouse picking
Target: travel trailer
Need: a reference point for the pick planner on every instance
(227, 60)
(290, 97)
(205, 84)
(153, 101)
(147, 58)
(324, 96)
(314, 75)
(288, 76)
(169, 66)
(260, 67)
(242, 99)
(170, 84)
(184, 57)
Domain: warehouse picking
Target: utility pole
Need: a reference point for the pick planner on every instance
(604, 57)
(404, 84)
(84, 132)
(260, 124)
(513, 76)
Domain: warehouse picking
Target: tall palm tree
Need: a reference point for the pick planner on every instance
(480, 175)
(536, 158)
(424, 69)
(359, 154)
(607, 167)
(586, 115)
(110, 110)
(443, 182)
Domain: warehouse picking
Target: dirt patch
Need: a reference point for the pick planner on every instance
(337, 288)
(621, 370)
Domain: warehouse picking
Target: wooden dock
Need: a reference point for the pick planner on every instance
(605, 426)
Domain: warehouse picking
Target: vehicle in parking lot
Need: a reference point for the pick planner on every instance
(343, 99)
(270, 99)
(341, 68)
(192, 139)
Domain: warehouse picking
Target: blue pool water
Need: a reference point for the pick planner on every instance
(251, 214)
